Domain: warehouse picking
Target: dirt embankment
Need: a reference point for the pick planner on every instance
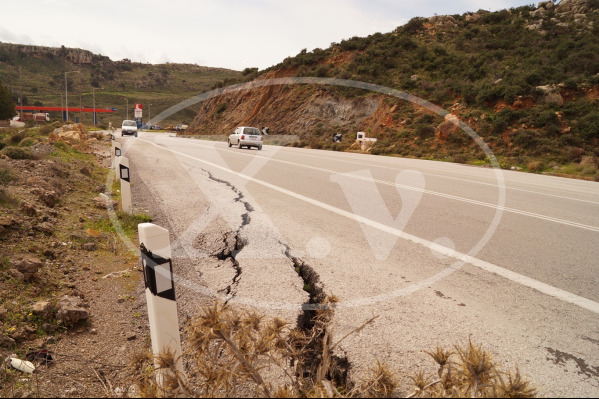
(67, 283)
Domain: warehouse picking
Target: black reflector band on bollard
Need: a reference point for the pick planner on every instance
(158, 274)
(124, 172)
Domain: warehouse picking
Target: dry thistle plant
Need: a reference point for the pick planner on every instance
(475, 375)
(238, 353)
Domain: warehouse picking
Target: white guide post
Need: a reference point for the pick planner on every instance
(160, 292)
(123, 173)
(116, 153)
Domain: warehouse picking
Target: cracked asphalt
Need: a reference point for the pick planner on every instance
(385, 235)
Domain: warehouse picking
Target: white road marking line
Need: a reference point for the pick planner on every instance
(396, 168)
(547, 289)
(380, 165)
(435, 193)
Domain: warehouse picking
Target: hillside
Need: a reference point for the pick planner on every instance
(525, 79)
(43, 81)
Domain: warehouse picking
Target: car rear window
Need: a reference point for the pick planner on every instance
(129, 123)
(251, 130)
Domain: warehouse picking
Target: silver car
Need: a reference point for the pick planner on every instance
(245, 136)
(129, 127)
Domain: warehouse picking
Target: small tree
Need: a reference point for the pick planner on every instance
(7, 106)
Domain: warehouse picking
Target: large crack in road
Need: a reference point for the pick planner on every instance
(317, 312)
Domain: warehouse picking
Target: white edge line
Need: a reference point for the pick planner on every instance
(547, 289)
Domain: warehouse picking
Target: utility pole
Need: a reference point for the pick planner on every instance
(66, 92)
(21, 95)
(80, 114)
(94, 97)
(127, 108)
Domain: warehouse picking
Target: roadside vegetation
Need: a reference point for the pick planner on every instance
(237, 353)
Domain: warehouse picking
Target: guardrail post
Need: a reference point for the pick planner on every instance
(160, 293)
(116, 153)
(125, 178)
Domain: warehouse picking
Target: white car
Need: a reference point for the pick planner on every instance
(129, 127)
(245, 136)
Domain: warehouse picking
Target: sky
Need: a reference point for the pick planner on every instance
(231, 34)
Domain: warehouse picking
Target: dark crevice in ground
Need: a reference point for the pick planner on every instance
(231, 250)
(315, 321)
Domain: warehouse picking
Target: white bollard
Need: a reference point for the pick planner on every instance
(160, 292)
(116, 153)
(125, 178)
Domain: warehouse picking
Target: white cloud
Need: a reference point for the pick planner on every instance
(231, 34)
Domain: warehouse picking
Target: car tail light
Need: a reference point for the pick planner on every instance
(243, 137)
(261, 138)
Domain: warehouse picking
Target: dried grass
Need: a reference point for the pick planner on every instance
(234, 353)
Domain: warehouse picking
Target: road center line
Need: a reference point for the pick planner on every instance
(434, 193)
(547, 289)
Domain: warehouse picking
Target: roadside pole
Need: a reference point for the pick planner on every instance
(160, 294)
(116, 154)
(123, 173)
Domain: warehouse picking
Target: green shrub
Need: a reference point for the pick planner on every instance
(570, 84)
(6, 174)
(588, 126)
(546, 118)
(18, 153)
(425, 131)
(535, 166)
(27, 142)
(18, 137)
(46, 129)
(7, 200)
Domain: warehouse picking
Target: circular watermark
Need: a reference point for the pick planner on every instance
(442, 248)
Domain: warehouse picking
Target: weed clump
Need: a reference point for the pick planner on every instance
(474, 375)
(241, 353)
(18, 153)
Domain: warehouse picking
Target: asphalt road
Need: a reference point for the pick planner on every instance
(440, 252)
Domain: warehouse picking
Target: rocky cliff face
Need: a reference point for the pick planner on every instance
(293, 109)
(75, 56)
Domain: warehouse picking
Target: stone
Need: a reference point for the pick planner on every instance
(6, 221)
(29, 209)
(6, 341)
(48, 328)
(49, 253)
(71, 310)
(24, 333)
(42, 308)
(17, 275)
(548, 5)
(90, 246)
(551, 94)
(85, 171)
(131, 336)
(45, 227)
(50, 198)
(27, 265)
(104, 202)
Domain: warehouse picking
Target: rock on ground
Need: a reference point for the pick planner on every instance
(71, 310)
(27, 265)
